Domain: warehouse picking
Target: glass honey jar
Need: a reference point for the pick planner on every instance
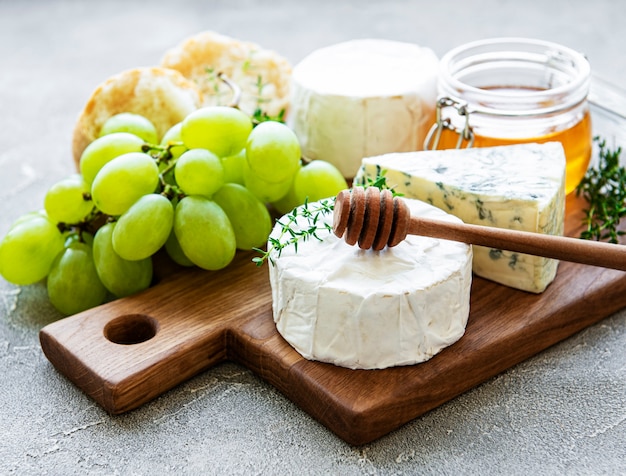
(514, 90)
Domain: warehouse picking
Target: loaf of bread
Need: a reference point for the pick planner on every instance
(186, 80)
(263, 76)
(162, 95)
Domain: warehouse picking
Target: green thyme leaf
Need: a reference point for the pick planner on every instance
(312, 214)
(604, 188)
(290, 235)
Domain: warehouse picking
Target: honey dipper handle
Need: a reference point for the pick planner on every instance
(594, 253)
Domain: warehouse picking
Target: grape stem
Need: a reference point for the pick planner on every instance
(90, 224)
(169, 168)
(234, 87)
(170, 191)
(163, 153)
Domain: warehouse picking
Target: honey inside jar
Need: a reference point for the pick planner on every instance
(576, 140)
(513, 91)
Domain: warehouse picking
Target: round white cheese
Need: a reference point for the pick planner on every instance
(363, 98)
(371, 309)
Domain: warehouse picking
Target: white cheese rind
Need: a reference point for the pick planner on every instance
(362, 98)
(520, 187)
(363, 309)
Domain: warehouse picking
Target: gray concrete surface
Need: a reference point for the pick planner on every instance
(561, 412)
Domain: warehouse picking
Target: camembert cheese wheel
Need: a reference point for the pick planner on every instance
(363, 98)
(366, 309)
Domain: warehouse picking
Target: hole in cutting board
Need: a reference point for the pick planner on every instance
(131, 329)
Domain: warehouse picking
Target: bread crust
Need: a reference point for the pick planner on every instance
(162, 95)
(201, 57)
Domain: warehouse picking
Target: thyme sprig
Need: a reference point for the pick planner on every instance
(290, 235)
(259, 116)
(380, 181)
(312, 214)
(604, 188)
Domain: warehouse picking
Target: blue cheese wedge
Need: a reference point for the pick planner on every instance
(520, 187)
(366, 309)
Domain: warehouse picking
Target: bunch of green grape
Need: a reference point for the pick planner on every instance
(201, 192)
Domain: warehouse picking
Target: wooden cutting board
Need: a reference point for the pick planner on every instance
(127, 352)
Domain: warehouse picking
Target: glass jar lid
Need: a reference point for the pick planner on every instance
(515, 76)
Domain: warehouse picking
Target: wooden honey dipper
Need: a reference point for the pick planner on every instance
(374, 219)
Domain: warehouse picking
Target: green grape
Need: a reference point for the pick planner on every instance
(104, 149)
(265, 191)
(317, 180)
(173, 136)
(121, 182)
(27, 216)
(73, 235)
(221, 129)
(174, 251)
(121, 277)
(132, 123)
(204, 232)
(65, 201)
(199, 172)
(249, 217)
(273, 152)
(234, 166)
(144, 228)
(29, 248)
(288, 202)
(73, 283)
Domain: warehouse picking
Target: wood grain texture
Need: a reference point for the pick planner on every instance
(200, 318)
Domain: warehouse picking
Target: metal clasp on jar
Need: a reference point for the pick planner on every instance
(434, 134)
